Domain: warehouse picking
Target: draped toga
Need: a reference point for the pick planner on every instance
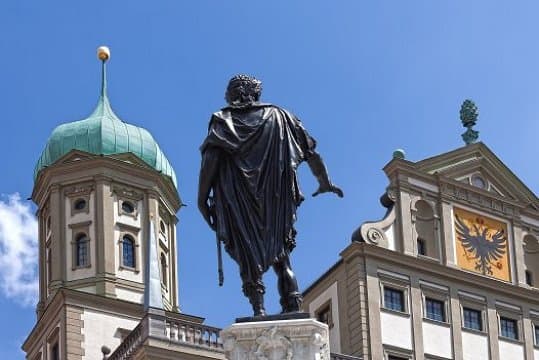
(255, 193)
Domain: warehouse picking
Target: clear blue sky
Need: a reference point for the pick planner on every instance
(366, 77)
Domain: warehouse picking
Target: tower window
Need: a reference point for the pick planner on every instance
(55, 352)
(163, 227)
(48, 265)
(128, 207)
(164, 269)
(128, 251)
(81, 251)
(80, 204)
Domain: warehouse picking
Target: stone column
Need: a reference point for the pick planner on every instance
(298, 339)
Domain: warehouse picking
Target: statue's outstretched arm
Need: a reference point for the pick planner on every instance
(318, 168)
(208, 171)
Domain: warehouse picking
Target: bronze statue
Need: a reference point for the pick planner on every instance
(248, 188)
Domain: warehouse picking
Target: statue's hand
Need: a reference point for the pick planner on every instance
(208, 213)
(329, 188)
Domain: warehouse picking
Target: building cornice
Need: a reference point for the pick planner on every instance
(407, 262)
(105, 168)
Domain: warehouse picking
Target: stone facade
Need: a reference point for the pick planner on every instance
(406, 293)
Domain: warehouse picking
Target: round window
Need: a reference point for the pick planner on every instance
(80, 204)
(128, 207)
(479, 182)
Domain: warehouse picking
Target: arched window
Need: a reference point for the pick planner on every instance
(164, 269)
(531, 260)
(426, 239)
(163, 227)
(81, 250)
(128, 251)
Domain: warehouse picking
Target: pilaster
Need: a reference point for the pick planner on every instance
(105, 242)
(492, 320)
(57, 262)
(456, 323)
(447, 233)
(417, 318)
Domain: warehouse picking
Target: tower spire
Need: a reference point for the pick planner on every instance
(103, 54)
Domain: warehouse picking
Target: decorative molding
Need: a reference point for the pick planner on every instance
(81, 190)
(472, 297)
(491, 203)
(128, 228)
(423, 185)
(529, 220)
(508, 307)
(127, 192)
(80, 224)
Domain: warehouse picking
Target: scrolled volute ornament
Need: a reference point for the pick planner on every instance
(375, 235)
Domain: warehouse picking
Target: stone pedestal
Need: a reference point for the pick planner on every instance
(300, 339)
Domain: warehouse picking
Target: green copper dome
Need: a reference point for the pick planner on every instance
(103, 133)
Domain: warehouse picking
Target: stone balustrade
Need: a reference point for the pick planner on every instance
(173, 330)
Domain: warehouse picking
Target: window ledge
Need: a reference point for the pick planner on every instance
(129, 268)
(81, 267)
(474, 331)
(428, 258)
(395, 312)
(514, 341)
(437, 322)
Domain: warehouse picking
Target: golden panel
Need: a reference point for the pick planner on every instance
(481, 244)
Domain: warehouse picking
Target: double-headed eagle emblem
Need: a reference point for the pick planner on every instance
(484, 251)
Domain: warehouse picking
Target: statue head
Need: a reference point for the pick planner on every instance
(243, 89)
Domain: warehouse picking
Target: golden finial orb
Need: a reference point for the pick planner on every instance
(103, 53)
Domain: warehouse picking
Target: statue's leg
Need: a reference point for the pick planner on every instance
(288, 286)
(254, 290)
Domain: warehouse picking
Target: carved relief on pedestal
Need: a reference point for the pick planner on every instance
(277, 340)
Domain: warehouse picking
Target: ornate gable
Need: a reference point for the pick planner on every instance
(464, 208)
(476, 165)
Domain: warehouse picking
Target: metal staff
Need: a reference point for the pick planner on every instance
(219, 249)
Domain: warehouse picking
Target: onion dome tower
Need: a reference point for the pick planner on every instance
(103, 188)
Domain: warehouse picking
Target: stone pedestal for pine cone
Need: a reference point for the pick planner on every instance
(299, 339)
